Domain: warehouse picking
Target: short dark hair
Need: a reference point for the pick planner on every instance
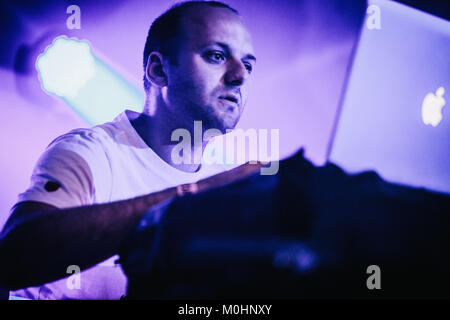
(164, 31)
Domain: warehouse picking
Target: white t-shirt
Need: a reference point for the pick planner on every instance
(117, 165)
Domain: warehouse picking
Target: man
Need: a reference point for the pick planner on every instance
(91, 186)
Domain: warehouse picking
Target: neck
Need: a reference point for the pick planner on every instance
(156, 124)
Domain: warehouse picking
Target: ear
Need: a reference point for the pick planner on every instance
(155, 72)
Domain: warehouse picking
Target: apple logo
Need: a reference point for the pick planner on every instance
(432, 107)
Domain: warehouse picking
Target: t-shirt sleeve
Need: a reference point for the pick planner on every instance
(71, 172)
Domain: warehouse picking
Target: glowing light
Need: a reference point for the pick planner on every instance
(65, 67)
(94, 90)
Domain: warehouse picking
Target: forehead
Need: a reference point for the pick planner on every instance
(204, 25)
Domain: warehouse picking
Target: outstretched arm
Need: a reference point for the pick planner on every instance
(39, 241)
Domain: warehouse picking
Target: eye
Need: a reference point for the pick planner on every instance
(249, 67)
(215, 56)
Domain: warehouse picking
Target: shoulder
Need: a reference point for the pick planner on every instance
(78, 163)
(81, 151)
(92, 144)
(93, 138)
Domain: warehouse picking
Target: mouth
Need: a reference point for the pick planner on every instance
(230, 98)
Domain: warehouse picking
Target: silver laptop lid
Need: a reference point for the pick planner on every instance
(395, 112)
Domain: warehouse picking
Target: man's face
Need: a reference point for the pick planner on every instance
(209, 81)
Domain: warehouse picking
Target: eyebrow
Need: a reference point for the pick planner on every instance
(224, 46)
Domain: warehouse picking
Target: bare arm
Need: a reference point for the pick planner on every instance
(39, 241)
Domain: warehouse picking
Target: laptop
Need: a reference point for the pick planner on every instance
(394, 115)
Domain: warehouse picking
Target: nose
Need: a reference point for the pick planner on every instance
(236, 73)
